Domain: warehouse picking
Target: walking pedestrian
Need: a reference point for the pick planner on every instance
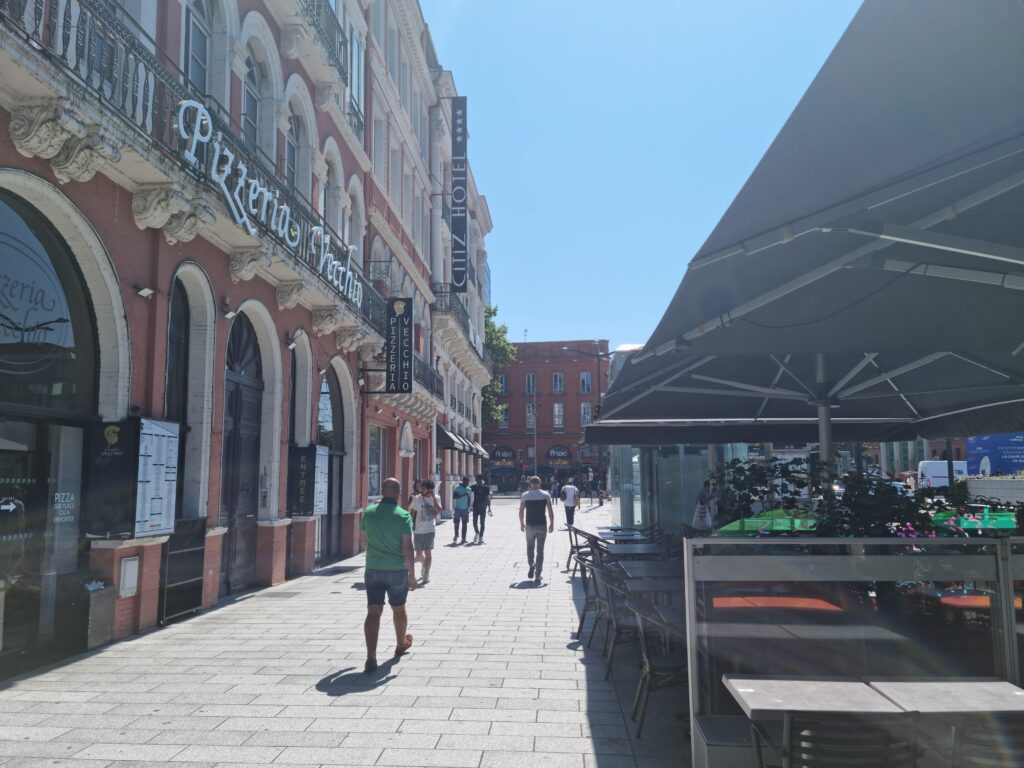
(571, 497)
(532, 505)
(554, 491)
(427, 507)
(481, 507)
(702, 521)
(386, 534)
(461, 497)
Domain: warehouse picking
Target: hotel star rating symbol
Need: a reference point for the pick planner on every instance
(459, 124)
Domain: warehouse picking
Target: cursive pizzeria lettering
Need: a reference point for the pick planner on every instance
(256, 206)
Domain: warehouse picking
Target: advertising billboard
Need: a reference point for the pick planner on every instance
(995, 454)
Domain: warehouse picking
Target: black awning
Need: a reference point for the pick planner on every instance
(448, 439)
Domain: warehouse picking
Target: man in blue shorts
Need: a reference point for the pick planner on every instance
(386, 535)
(461, 497)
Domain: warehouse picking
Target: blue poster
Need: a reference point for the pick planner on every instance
(995, 454)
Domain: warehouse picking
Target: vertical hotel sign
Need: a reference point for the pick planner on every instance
(460, 194)
(398, 351)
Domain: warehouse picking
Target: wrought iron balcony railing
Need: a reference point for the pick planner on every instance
(324, 21)
(428, 377)
(448, 303)
(112, 58)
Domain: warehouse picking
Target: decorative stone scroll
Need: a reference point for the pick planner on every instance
(153, 207)
(288, 294)
(183, 227)
(40, 130)
(246, 261)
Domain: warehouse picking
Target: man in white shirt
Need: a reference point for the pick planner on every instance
(571, 496)
(427, 507)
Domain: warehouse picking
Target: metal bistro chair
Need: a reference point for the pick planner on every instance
(576, 548)
(842, 741)
(661, 666)
(993, 741)
(590, 602)
(620, 624)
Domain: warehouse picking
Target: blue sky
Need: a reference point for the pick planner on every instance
(609, 138)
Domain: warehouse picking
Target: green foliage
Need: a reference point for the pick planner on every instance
(774, 485)
(503, 354)
(871, 506)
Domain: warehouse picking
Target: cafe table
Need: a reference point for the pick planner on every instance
(955, 696)
(626, 538)
(664, 589)
(647, 569)
(773, 698)
(634, 550)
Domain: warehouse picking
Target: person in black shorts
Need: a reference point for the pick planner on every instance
(481, 507)
(532, 506)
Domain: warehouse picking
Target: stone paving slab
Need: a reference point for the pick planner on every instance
(494, 680)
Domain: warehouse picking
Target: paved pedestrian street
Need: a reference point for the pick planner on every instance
(494, 679)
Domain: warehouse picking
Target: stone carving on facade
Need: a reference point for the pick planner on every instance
(183, 227)
(80, 158)
(288, 294)
(326, 95)
(153, 207)
(326, 320)
(40, 130)
(246, 261)
(292, 38)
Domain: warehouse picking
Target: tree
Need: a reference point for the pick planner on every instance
(503, 354)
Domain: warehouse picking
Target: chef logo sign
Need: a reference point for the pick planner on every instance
(398, 348)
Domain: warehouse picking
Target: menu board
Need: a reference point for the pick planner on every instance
(156, 493)
(320, 481)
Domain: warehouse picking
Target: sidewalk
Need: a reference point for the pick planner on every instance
(494, 680)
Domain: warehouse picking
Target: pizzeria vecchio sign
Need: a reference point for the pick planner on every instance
(256, 203)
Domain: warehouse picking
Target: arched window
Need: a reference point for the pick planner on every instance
(251, 97)
(243, 357)
(178, 329)
(198, 26)
(291, 149)
(47, 340)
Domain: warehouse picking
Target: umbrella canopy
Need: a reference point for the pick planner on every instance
(869, 277)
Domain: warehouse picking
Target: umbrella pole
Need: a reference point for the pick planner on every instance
(824, 419)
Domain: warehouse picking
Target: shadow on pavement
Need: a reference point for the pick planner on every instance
(354, 680)
(528, 584)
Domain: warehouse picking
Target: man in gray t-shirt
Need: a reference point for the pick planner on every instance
(532, 506)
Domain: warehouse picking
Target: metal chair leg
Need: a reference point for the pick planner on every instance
(636, 699)
(583, 618)
(643, 710)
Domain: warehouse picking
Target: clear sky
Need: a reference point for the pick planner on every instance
(609, 138)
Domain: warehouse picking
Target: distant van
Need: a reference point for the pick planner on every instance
(935, 474)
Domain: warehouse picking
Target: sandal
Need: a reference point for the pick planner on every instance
(408, 645)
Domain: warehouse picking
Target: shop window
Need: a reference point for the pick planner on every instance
(47, 342)
(377, 460)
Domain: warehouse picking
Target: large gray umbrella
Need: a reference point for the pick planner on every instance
(868, 278)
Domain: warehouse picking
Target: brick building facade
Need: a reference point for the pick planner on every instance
(205, 208)
(559, 382)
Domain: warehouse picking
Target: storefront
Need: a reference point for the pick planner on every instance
(48, 404)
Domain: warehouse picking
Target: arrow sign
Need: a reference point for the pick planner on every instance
(8, 506)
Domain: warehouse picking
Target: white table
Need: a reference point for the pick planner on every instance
(952, 697)
(772, 699)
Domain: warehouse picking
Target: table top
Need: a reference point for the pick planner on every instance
(626, 538)
(771, 699)
(646, 569)
(654, 585)
(635, 549)
(955, 696)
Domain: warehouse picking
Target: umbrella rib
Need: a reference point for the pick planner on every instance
(946, 391)
(779, 395)
(969, 409)
(896, 389)
(984, 366)
(891, 374)
(749, 387)
(867, 360)
(775, 381)
(795, 378)
(663, 374)
(936, 217)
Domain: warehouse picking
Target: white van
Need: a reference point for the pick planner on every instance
(935, 474)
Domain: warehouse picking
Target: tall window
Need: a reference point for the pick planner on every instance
(531, 383)
(291, 149)
(197, 44)
(531, 415)
(176, 386)
(355, 66)
(380, 147)
(503, 416)
(251, 100)
(502, 383)
(559, 414)
(586, 413)
(378, 23)
(585, 382)
(557, 382)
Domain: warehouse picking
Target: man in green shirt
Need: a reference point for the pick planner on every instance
(386, 535)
